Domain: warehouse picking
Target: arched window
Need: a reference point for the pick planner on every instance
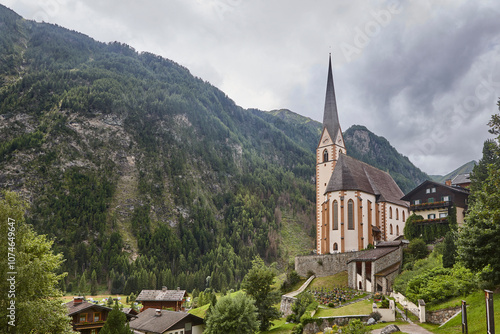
(325, 155)
(350, 215)
(391, 229)
(335, 247)
(397, 229)
(404, 216)
(335, 215)
(390, 213)
(397, 214)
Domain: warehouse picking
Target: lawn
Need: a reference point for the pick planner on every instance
(476, 315)
(338, 280)
(359, 308)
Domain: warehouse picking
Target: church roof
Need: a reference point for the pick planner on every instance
(352, 174)
(330, 115)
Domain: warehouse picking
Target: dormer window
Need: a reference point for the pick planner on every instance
(325, 155)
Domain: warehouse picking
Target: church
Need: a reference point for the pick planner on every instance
(357, 205)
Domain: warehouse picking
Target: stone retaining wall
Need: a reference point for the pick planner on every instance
(319, 325)
(323, 265)
(441, 316)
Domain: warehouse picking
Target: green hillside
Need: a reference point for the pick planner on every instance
(138, 170)
(466, 168)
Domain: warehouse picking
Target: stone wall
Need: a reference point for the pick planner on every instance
(319, 325)
(441, 316)
(323, 265)
(286, 305)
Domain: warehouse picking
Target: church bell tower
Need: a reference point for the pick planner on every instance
(330, 145)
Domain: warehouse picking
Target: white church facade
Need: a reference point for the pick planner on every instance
(357, 205)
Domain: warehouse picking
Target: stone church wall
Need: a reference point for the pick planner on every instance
(323, 265)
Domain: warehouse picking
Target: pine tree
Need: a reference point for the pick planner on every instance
(35, 288)
(479, 239)
(93, 283)
(449, 250)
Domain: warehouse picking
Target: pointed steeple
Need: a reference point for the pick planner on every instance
(330, 116)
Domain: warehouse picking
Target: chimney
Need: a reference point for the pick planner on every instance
(448, 182)
(163, 288)
(158, 312)
(77, 300)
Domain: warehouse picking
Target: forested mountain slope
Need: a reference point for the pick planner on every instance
(143, 174)
(140, 171)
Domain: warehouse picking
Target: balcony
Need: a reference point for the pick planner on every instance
(430, 206)
(443, 220)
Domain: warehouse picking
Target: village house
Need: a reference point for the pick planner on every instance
(88, 318)
(461, 180)
(434, 200)
(163, 299)
(357, 205)
(156, 321)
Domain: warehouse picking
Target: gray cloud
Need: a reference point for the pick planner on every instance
(423, 74)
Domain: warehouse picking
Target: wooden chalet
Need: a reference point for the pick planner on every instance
(433, 201)
(88, 318)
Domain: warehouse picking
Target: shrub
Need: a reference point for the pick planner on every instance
(376, 316)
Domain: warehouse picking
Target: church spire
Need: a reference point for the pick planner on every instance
(330, 116)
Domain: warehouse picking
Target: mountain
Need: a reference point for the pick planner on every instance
(147, 175)
(139, 171)
(466, 168)
(364, 145)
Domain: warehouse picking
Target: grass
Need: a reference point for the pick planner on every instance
(362, 307)
(280, 327)
(294, 239)
(340, 279)
(202, 310)
(476, 316)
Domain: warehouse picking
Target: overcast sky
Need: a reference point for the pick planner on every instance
(423, 74)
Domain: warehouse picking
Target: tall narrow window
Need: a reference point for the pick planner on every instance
(397, 214)
(390, 213)
(391, 229)
(335, 215)
(335, 247)
(350, 215)
(325, 155)
(404, 219)
(397, 229)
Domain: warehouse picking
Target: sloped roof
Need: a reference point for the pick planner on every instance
(461, 179)
(330, 115)
(352, 174)
(427, 183)
(161, 295)
(148, 321)
(373, 254)
(74, 308)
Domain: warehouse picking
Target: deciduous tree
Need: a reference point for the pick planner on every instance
(233, 315)
(116, 322)
(258, 285)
